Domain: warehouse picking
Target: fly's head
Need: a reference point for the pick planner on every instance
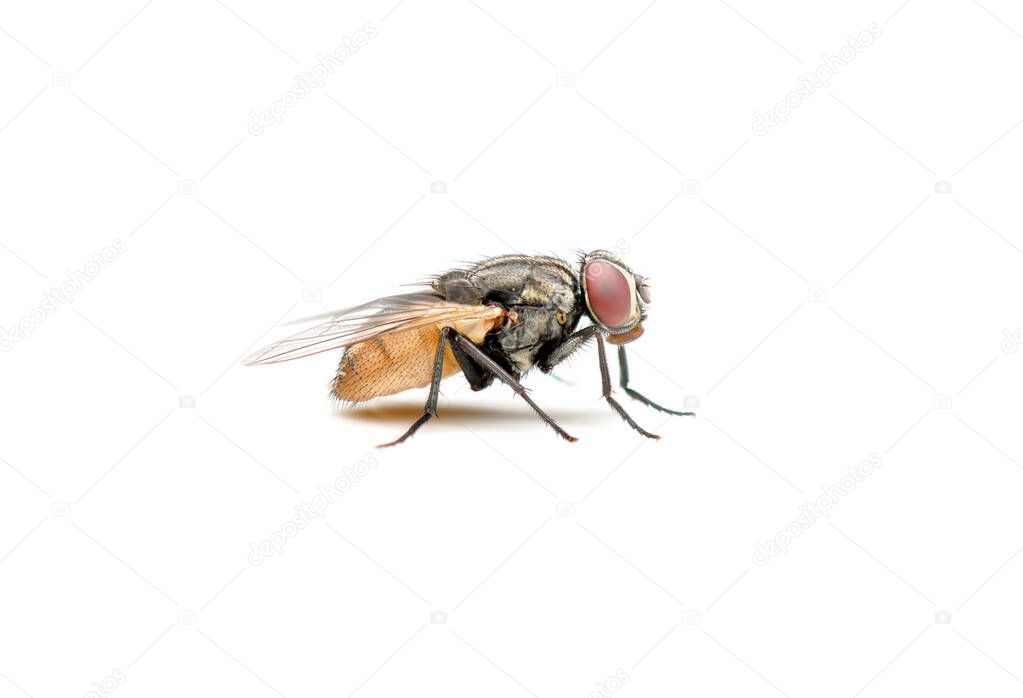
(615, 296)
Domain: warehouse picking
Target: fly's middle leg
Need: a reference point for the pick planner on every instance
(478, 376)
(461, 343)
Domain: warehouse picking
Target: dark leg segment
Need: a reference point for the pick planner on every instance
(431, 401)
(572, 343)
(478, 355)
(605, 380)
(477, 376)
(623, 366)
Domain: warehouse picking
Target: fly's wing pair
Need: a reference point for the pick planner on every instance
(390, 343)
(391, 314)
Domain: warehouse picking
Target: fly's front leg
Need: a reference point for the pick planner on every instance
(572, 343)
(431, 400)
(605, 380)
(623, 366)
(466, 345)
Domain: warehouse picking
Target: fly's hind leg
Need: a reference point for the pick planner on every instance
(431, 401)
(466, 352)
(623, 366)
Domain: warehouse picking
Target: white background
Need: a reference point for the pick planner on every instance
(816, 291)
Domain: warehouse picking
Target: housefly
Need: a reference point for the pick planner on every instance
(498, 318)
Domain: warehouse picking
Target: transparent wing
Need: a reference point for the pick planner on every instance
(361, 323)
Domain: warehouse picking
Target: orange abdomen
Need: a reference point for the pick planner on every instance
(390, 363)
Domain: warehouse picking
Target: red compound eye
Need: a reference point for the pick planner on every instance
(608, 294)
